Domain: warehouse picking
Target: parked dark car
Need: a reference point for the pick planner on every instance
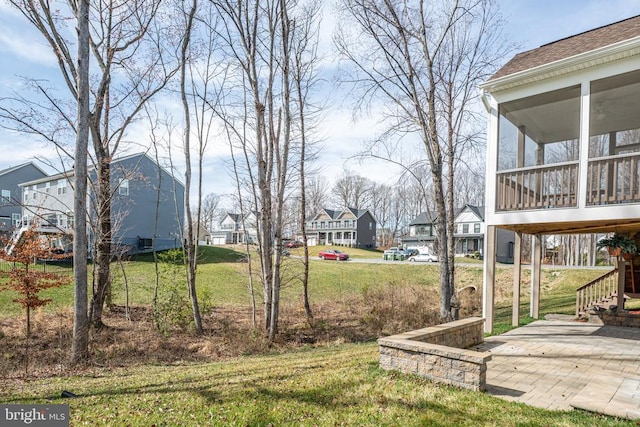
(333, 254)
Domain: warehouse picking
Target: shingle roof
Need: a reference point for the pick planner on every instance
(422, 218)
(571, 46)
(15, 168)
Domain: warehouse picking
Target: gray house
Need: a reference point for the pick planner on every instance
(350, 227)
(147, 204)
(11, 194)
(470, 229)
(422, 233)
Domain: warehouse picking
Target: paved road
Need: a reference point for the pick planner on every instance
(468, 264)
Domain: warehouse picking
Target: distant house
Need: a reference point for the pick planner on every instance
(350, 227)
(236, 229)
(202, 235)
(470, 228)
(138, 218)
(421, 233)
(11, 194)
(469, 235)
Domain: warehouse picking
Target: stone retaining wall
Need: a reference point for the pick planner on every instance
(620, 318)
(440, 353)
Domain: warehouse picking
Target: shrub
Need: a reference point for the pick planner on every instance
(397, 307)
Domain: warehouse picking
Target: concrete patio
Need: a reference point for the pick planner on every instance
(561, 364)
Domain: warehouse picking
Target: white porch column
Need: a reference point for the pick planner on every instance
(488, 294)
(585, 94)
(536, 270)
(517, 270)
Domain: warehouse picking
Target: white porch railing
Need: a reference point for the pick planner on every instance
(345, 242)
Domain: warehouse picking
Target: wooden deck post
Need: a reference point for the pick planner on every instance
(536, 270)
(488, 301)
(622, 264)
(517, 270)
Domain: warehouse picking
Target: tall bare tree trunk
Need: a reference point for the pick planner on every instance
(104, 241)
(191, 243)
(80, 342)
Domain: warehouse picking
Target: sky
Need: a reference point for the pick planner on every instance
(528, 23)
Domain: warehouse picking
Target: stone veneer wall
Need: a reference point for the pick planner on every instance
(620, 318)
(440, 353)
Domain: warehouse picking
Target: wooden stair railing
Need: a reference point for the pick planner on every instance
(597, 292)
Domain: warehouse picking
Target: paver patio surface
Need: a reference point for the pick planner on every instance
(563, 364)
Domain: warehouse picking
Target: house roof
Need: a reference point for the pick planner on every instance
(20, 166)
(423, 218)
(572, 46)
(477, 211)
(234, 216)
(70, 173)
(335, 214)
(358, 212)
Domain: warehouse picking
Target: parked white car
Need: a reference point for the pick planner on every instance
(424, 258)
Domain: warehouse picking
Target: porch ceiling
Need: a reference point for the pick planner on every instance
(578, 227)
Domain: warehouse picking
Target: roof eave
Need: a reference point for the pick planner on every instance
(603, 55)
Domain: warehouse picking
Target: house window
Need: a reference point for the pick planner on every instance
(26, 195)
(47, 186)
(6, 196)
(465, 228)
(15, 219)
(370, 226)
(476, 228)
(322, 224)
(62, 186)
(123, 189)
(69, 219)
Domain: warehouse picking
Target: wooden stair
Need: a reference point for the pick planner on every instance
(600, 293)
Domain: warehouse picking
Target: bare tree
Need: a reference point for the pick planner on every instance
(132, 67)
(304, 76)
(382, 197)
(191, 242)
(258, 43)
(209, 213)
(352, 191)
(423, 60)
(80, 342)
(316, 194)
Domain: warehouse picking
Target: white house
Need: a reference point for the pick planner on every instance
(563, 147)
(235, 229)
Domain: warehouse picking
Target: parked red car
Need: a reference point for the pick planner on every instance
(333, 254)
(294, 244)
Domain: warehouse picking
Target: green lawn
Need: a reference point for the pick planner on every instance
(223, 280)
(337, 385)
(328, 386)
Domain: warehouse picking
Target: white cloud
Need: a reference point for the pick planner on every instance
(20, 41)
